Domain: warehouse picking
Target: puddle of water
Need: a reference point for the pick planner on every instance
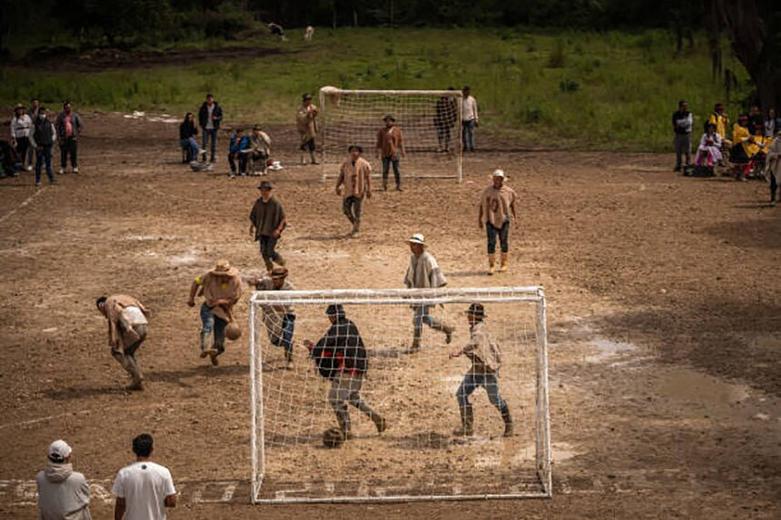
(607, 349)
(690, 386)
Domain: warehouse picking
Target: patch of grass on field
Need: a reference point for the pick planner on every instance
(594, 90)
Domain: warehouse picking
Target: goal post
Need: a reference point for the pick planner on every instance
(418, 456)
(430, 121)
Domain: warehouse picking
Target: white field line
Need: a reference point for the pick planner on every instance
(24, 203)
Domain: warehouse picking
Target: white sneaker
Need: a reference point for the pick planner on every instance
(76, 169)
(29, 168)
(61, 171)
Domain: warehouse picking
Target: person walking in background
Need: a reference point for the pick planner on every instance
(469, 119)
(63, 494)
(210, 117)
(187, 133)
(390, 147)
(683, 122)
(444, 120)
(21, 128)
(306, 123)
(267, 221)
(353, 184)
(143, 489)
(43, 137)
(497, 208)
(69, 126)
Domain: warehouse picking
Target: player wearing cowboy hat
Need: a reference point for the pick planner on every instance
(486, 359)
(221, 289)
(424, 272)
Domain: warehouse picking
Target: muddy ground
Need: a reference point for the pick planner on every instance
(663, 315)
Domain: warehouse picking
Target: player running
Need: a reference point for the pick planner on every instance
(486, 359)
(280, 320)
(497, 205)
(353, 184)
(340, 356)
(267, 221)
(127, 329)
(424, 272)
(221, 289)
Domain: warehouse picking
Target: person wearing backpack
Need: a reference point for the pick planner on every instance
(340, 356)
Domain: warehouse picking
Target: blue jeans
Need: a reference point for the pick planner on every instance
(472, 381)
(190, 145)
(422, 317)
(210, 135)
(468, 135)
(504, 237)
(286, 340)
(386, 163)
(213, 324)
(43, 155)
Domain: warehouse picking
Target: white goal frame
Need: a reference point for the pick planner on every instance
(330, 158)
(533, 295)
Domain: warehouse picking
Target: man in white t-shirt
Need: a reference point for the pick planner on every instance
(143, 489)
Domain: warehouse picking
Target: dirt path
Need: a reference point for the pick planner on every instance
(664, 322)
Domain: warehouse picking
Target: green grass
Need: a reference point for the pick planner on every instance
(591, 90)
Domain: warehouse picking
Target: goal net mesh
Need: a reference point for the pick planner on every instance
(430, 122)
(418, 456)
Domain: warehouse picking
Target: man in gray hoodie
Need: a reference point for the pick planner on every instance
(63, 494)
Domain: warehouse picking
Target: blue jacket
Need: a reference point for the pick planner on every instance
(242, 144)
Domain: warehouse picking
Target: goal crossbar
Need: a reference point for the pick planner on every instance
(541, 488)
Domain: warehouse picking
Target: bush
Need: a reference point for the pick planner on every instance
(569, 85)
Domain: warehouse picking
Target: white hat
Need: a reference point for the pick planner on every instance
(59, 451)
(417, 238)
(498, 173)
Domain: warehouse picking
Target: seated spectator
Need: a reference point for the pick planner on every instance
(742, 142)
(771, 124)
(260, 149)
(187, 133)
(709, 151)
(10, 164)
(237, 150)
(721, 120)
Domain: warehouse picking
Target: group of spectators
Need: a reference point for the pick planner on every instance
(33, 136)
(752, 145)
(248, 151)
(142, 489)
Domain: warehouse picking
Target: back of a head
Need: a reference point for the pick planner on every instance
(143, 445)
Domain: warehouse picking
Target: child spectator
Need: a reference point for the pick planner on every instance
(709, 151)
(187, 133)
(237, 150)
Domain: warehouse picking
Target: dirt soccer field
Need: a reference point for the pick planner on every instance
(664, 303)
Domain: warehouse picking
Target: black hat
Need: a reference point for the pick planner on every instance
(477, 310)
(265, 185)
(355, 147)
(389, 117)
(335, 309)
(306, 96)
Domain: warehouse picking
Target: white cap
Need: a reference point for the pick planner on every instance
(417, 238)
(498, 173)
(59, 451)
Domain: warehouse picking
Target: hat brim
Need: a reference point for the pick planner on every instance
(232, 271)
(411, 241)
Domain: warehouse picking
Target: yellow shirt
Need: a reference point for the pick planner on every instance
(741, 135)
(721, 121)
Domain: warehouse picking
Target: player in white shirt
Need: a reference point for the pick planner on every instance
(469, 119)
(143, 489)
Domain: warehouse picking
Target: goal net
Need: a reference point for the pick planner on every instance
(413, 395)
(430, 121)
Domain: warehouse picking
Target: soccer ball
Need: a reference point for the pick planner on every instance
(333, 438)
(232, 331)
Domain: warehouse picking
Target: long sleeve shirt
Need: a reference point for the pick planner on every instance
(21, 126)
(341, 349)
(390, 141)
(469, 109)
(355, 176)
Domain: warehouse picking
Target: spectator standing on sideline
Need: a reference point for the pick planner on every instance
(210, 117)
(390, 147)
(143, 489)
(35, 106)
(69, 126)
(306, 123)
(267, 221)
(469, 119)
(354, 183)
(683, 122)
(63, 494)
(43, 137)
(187, 133)
(770, 123)
(21, 128)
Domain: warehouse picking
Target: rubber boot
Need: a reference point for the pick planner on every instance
(508, 422)
(303, 160)
(344, 424)
(378, 421)
(415, 346)
(312, 157)
(448, 330)
(135, 373)
(356, 229)
(288, 359)
(491, 264)
(503, 267)
(204, 340)
(279, 260)
(467, 422)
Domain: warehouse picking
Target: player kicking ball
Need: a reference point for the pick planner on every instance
(340, 356)
(127, 329)
(485, 355)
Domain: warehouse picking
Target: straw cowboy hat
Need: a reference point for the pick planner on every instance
(224, 268)
(417, 238)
